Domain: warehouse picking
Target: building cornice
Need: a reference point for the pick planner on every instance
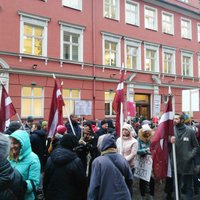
(175, 8)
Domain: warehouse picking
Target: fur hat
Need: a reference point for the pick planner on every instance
(61, 129)
(69, 141)
(30, 119)
(130, 129)
(4, 146)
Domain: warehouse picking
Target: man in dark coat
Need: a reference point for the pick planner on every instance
(111, 177)
(64, 177)
(103, 129)
(12, 186)
(186, 146)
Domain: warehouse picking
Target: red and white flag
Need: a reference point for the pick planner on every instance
(118, 100)
(7, 109)
(160, 143)
(55, 115)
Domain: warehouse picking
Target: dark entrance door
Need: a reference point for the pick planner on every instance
(142, 102)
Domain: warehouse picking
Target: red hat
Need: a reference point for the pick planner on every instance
(61, 129)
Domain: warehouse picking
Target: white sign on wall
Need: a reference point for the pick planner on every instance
(157, 102)
(190, 100)
(83, 107)
(143, 167)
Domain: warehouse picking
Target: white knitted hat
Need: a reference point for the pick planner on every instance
(130, 129)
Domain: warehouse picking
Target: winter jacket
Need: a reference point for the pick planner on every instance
(64, 177)
(186, 149)
(11, 183)
(130, 147)
(111, 177)
(28, 163)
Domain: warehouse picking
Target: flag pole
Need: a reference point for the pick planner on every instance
(121, 118)
(20, 121)
(174, 160)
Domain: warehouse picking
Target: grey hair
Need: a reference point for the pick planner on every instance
(4, 146)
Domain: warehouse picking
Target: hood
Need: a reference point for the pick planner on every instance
(108, 141)
(142, 137)
(62, 156)
(24, 139)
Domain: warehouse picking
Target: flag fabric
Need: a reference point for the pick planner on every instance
(160, 143)
(118, 99)
(55, 115)
(130, 107)
(7, 109)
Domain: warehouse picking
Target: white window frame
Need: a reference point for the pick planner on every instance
(71, 100)
(147, 26)
(190, 55)
(117, 10)
(170, 51)
(133, 43)
(153, 47)
(137, 14)
(172, 21)
(190, 27)
(69, 3)
(198, 32)
(198, 65)
(34, 21)
(115, 39)
(32, 99)
(72, 29)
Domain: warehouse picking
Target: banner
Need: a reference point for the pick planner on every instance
(143, 167)
(83, 107)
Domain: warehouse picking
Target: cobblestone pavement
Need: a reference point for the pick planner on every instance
(159, 192)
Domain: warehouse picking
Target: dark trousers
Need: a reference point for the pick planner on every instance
(146, 187)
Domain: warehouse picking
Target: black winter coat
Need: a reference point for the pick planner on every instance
(11, 182)
(64, 177)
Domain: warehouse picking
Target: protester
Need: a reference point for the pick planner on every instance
(25, 161)
(186, 146)
(111, 176)
(144, 139)
(38, 142)
(75, 123)
(129, 144)
(103, 129)
(64, 177)
(28, 125)
(13, 126)
(11, 182)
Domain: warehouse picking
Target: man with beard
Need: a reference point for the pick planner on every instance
(186, 146)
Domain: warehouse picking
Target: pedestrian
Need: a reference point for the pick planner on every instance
(186, 146)
(25, 161)
(13, 126)
(28, 125)
(111, 176)
(64, 176)
(144, 140)
(129, 144)
(11, 181)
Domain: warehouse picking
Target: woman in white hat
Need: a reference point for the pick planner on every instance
(129, 144)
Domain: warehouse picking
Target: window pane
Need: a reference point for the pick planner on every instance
(75, 94)
(37, 107)
(38, 47)
(107, 96)
(37, 92)
(26, 107)
(75, 38)
(66, 51)
(107, 109)
(38, 31)
(26, 91)
(66, 93)
(28, 29)
(66, 36)
(74, 52)
(27, 45)
(67, 106)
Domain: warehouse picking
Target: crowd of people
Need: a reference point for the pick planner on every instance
(88, 160)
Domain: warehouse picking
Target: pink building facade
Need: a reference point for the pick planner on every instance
(85, 43)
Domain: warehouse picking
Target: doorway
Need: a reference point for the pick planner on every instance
(142, 102)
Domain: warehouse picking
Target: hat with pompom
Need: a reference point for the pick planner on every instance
(61, 129)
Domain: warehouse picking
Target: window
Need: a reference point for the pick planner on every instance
(167, 23)
(32, 102)
(111, 50)
(71, 42)
(76, 4)
(198, 32)
(199, 65)
(109, 97)
(69, 97)
(133, 54)
(150, 16)
(132, 12)
(187, 63)
(168, 60)
(151, 57)
(186, 31)
(111, 9)
(33, 34)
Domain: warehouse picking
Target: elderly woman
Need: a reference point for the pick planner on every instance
(25, 161)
